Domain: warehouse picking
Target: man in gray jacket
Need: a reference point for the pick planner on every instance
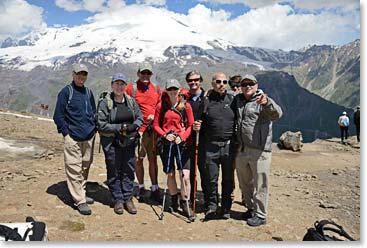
(255, 113)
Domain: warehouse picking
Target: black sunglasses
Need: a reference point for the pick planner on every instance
(172, 88)
(235, 86)
(83, 73)
(245, 84)
(146, 73)
(218, 81)
(193, 80)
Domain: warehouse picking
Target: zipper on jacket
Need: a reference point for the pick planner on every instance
(86, 107)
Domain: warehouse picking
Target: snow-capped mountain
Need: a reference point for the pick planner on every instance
(133, 38)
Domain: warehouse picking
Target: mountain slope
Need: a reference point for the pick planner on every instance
(303, 110)
(331, 72)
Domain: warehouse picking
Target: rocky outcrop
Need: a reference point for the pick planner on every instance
(291, 140)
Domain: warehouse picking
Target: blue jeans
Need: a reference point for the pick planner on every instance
(120, 165)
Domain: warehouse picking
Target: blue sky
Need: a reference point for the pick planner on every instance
(286, 25)
(54, 15)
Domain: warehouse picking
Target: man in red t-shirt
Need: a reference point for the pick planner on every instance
(147, 95)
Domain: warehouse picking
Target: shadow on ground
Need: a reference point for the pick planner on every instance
(94, 190)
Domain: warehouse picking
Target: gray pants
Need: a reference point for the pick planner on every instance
(78, 157)
(253, 168)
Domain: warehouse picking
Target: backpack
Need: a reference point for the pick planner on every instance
(346, 122)
(30, 230)
(71, 92)
(317, 233)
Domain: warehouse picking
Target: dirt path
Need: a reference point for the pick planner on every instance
(321, 182)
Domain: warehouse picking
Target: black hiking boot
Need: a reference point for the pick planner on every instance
(140, 195)
(156, 196)
(174, 203)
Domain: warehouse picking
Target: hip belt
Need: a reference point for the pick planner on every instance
(220, 143)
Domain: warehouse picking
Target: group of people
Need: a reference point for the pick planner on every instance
(344, 123)
(227, 129)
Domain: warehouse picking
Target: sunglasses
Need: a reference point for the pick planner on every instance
(235, 86)
(172, 88)
(193, 80)
(245, 84)
(218, 81)
(82, 73)
(146, 73)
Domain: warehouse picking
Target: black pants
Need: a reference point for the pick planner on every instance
(120, 165)
(201, 168)
(216, 156)
(343, 133)
(358, 130)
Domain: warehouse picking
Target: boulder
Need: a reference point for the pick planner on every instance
(291, 140)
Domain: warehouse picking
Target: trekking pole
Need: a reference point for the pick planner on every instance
(190, 217)
(195, 171)
(165, 189)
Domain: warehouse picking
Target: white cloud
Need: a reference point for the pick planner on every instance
(115, 4)
(19, 17)
(88, 5)
(69, 5)
(275, 26)
(152, 2)
(346, 5)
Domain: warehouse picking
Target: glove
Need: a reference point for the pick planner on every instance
(131, 128)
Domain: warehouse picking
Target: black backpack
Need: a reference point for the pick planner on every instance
(35, 231)
(317, 233)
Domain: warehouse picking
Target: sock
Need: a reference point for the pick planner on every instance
(141, 186)
(154, 187)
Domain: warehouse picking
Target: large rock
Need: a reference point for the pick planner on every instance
(291, 140)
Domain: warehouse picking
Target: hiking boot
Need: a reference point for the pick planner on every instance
(225, 214)
(256, 221)
(119, 207)
(250, 213)
(130, 207)
(84, 209)
(140, 195)
(89, 200)
(156, 196)
(210, 214)
(174, 202)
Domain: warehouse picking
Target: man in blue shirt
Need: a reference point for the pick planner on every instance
(75, 118)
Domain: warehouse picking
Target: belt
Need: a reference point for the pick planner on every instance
(221, 143)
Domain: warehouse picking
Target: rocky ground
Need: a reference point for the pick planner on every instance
(320, 182)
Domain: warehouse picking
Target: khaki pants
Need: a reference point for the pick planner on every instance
(78, 156)
(148, 145)
(253, 168)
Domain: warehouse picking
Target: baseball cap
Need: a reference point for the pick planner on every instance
(249, 77)
(344, 113)
(80, 67)
(119, 76)
(173, 83)
(145, 67)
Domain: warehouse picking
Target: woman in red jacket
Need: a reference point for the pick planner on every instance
(173, 124)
